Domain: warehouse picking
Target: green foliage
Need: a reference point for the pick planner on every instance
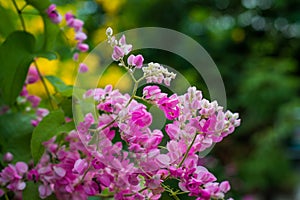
(51, 125)
(7, 26)
(31, 191)
(60, 86)
(15, 135)
(16, 54)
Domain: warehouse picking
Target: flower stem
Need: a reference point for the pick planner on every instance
(19, 11)
(44, 84)
(188, 150)
(6, 197)
(23, 7)
(141, 190)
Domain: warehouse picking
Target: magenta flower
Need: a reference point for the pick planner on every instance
(8, 157)
(52, 13)
(34, 100)
(80, 36)
(80, 166)
(69, 17)
(75, 56)
(45, 191)
(83, 68)
(82, 47)
(125, 47)
(173, 130)
(141, 117)
(21, 168)
(32, 75)
(136, 61)
(118, 53)
(77, 24)
(169, 106)
(224, 186)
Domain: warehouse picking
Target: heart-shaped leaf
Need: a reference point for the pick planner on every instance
(16, 55)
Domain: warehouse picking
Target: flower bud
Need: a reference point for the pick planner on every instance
(83, 68)
(109, 31)
(8, 157)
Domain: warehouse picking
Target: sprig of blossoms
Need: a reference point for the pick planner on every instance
(77, 26)
(117, 151)
(155, 73)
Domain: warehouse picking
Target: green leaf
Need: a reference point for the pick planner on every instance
(40, 5)
(60, 86)
(8, 25)
(16, 55)
(51, 125)
(16, 131)
(66, 105)
(47, 54)
(31, 191)
(94, 198)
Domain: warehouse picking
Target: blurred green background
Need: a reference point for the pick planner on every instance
(256, 45)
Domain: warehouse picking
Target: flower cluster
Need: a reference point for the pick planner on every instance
(155, 73)
(33, 77)
(116, 153)
(76, 25)
(12, 177)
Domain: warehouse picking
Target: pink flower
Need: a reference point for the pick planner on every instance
(61, 172)
(69, 18)
(136, 61)
(132, 179)
(32, 175)
(172, 131)
(97, 164)
(75, 56)
(163, 160)
(80, 36)
(52, 13)
(12, 176)
(24, 92)
(118, 53)
(42, 112)
(80, 166)
(125, 47)
(224, 186)
(141, 117)
(169, 106)
(153, 93)
(105, 180)
(21, 168)
(77, 24)
(8, 157)
(83, 68)
(32, 75)
(107, 107)
(34, 100)
(45, 191)
(154, 182)
(82, 47)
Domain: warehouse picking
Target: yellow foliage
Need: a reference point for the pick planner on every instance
(115, 77)
(111, 6)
